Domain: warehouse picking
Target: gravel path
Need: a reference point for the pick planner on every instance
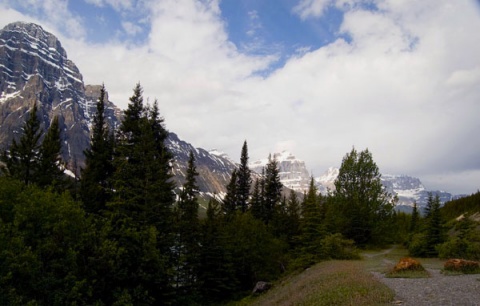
(439, 289)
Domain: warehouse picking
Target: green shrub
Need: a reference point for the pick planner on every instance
(418, 245)
(463, 266)
(453, 248)
(334, 246)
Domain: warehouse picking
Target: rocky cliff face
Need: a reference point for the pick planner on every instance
(214, 169)
(294, 175)
(293, 172)
(34, 68)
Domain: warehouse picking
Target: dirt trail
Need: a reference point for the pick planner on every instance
(439, 289)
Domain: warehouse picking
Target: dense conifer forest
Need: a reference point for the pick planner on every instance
(119, 235)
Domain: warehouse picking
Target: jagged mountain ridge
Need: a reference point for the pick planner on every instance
(34, 68)
(214, 169)
(294, 174)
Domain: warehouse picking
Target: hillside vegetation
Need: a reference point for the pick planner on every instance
(120, 235)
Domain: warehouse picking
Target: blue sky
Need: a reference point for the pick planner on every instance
(314, 77)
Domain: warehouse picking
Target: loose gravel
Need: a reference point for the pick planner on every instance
(439, 289)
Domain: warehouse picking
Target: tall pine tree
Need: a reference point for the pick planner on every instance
(95, 188)
(188, 238)
(363, 209)
(141, 208)
(229, 204)
(50, 172)
(244, 180)
(433, 234)
(23, 159)
(273, 189)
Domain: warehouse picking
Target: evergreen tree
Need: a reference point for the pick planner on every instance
(230, 201)
(363, 209)
(312, 228)
(293, 213)
(51, 169)
(414, 218)
(216, 275)
(273, 190)
(95, 189)
(188, 244)
(244, 180)
(141, 209)
(433, 233)
(256, 203)
(23, 158)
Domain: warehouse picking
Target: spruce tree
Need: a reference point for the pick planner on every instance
(433, 235)
(95, 189)
(23, 159)
(141, 208)
(244, 180)
(414, 218)
(312, 228)
(216, 275)
(363, 209)
(188, 238)
(51, 169)
(273, 190)
(256, 203)
(230, 201)
(293, 212)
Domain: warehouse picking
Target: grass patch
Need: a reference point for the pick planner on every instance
(327, 283)
(408, 274)
(408, 267)
(462, 266)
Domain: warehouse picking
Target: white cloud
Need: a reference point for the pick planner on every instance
(405, 86)
(311, 8)
(115, 4)
(131, 29)
(51, 14)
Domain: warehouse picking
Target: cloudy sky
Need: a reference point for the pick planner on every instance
(315, 77)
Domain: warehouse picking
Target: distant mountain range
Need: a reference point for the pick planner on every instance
(294, 174)
(34, 68)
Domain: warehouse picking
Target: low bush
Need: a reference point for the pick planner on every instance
(418, 245)
(462, 265)
(409, 268)
(334, 246)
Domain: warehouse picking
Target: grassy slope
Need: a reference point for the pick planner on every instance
(327, 283)
(339, 282)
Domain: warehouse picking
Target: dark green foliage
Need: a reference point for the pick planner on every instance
(425, 242)
(230, 201)
(141, 209)
(312, 227)
(50, 168)
(463, 241)
(434, 231)
(216, 275)
(414, 219)
(255, 252)
(272, 190)
(95, 188)
(23, 159)
(293, 214)
(40, 248)
(244, 180)
(335, 246)
(187, 247)
(362, 209)
(256, 202)
(456, 208)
